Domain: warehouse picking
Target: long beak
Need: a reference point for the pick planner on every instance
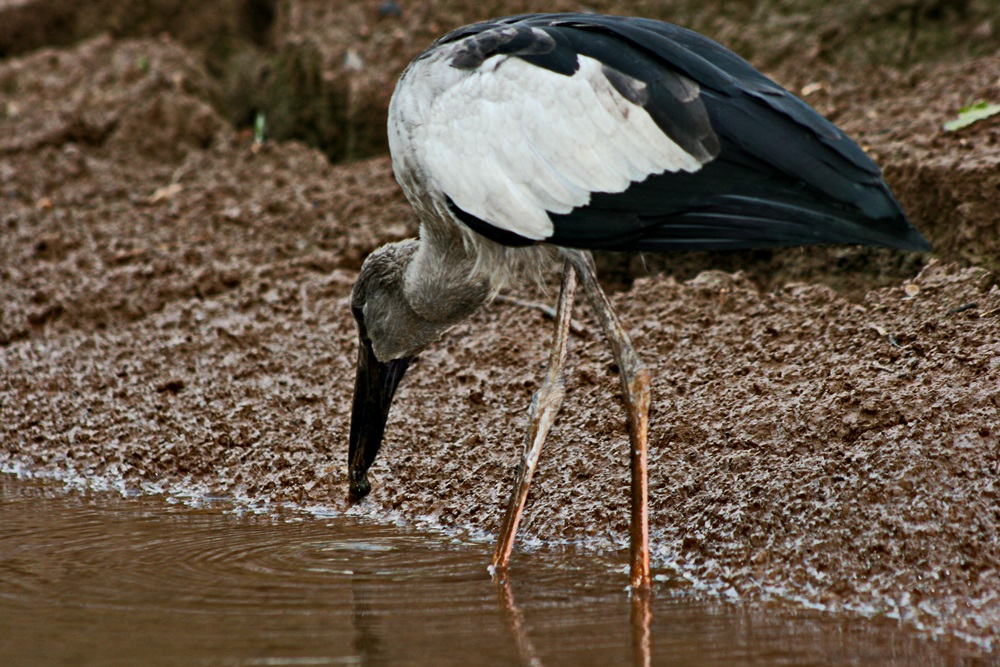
(374, 387)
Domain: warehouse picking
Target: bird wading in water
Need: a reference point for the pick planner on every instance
(526, 140)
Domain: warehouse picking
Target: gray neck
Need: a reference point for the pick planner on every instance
(441, 283)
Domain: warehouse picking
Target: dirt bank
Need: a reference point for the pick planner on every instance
(173, 313)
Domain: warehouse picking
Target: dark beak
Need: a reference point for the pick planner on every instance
(374, 387)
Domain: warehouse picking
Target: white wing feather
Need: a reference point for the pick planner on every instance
(510, 141)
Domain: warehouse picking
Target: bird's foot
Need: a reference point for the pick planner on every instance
(498, 573)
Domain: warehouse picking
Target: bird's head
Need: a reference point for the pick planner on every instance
(390, 335)
(407, 295)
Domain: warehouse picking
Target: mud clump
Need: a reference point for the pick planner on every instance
(174, 316)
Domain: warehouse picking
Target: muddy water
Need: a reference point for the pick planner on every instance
(90, 579)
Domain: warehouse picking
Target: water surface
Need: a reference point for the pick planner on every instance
(97, 579)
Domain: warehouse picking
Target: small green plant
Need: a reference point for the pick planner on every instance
(142, 62)
(259, 126)
(970, 114)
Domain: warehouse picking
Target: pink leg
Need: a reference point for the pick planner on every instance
(636, 392)
(544, 408)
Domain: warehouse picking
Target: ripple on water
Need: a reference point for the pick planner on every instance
(160, 556)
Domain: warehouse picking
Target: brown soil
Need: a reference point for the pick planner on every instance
(173, 303)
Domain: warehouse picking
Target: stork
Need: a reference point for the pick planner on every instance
(533, 139)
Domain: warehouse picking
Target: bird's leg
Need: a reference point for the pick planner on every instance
(541, 416)
(635, 390)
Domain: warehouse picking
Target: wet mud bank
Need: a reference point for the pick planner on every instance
(173, 316)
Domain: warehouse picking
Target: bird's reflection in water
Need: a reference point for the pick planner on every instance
(368, 644)
(514, 620)
(641, 618)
